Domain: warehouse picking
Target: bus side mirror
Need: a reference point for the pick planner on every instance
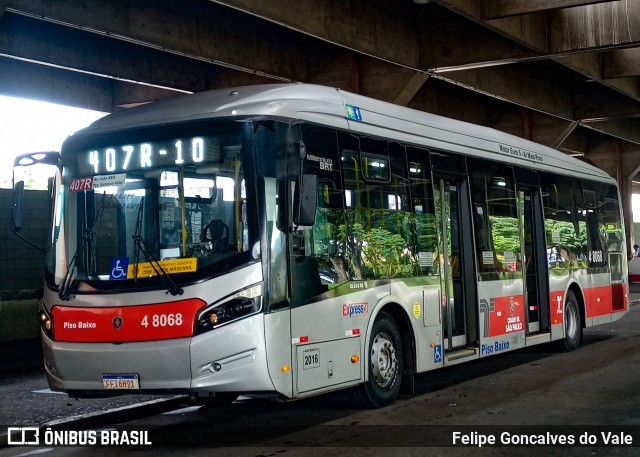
(45, 163)
(305, 200)
(16, 208)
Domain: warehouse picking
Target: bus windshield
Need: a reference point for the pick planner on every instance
(150, 207)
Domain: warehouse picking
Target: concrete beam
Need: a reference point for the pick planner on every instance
(438, 96)
(72, 49)
(375, 30)
(568, 130)
(570, 37)
(389, 34)
(601, 26)
(528, 86)
(190, 28)
(597, 26)
(411, 88)
(521, 84)
(590, 65)
(365, 75)
(333, 69)
(46, 83)
(534, 125)
(76, 50)
(462, 45)
(529, 30)
(621, 63)
(459, 44)
(466, 41)
(627, 129)
(388, 82)
(594, 103)
(495, 9)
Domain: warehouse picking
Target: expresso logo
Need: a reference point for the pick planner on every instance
(354, 309)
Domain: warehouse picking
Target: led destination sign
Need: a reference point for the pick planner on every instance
(177, 152)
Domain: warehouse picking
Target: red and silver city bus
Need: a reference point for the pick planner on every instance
(297, 239)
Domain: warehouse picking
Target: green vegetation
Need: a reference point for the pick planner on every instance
(18, 319)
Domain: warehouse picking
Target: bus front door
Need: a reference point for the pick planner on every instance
(458, 280)
(535, 254)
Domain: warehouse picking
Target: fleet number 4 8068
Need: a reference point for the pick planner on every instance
(162, 320)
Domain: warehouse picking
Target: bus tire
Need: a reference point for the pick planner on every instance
(572, 324)
(385, 365)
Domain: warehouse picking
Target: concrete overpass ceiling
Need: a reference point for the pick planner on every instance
(565, 73)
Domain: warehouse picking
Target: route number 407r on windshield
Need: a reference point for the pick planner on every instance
(162, 320)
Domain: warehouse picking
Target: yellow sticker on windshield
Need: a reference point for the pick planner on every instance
(172, 266)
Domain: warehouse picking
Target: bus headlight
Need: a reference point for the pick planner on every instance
(46, 323)
(237, 306)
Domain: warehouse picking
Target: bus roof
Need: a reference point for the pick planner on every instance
(344, 110)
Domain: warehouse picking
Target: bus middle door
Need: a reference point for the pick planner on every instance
(535, 264)
(458, 280)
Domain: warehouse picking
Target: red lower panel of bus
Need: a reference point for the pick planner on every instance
(509, 315)
(599, 301)
(128, 323)
(604, 300)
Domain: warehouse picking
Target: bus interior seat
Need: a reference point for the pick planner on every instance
(216, 232)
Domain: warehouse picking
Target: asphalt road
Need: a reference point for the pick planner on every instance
(591, 393)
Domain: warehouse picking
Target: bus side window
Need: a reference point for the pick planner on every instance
(612, 227)
(380, 230)
(422, 206)
(496, 221)
(565, 223)
(601, 234)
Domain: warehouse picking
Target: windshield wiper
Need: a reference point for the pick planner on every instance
(89, 236)
(140, 245)
(67, 280)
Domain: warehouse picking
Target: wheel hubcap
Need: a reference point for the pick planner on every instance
(383, 360)
(571, 321)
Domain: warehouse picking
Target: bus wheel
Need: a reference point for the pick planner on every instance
(385, 364)
(572, 324)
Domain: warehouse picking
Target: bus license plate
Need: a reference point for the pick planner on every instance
(120, 381)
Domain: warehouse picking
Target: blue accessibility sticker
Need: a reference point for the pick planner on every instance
(119, 267)
(437, 353)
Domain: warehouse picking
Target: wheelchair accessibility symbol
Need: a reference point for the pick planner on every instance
(119, 267)
(437, 353)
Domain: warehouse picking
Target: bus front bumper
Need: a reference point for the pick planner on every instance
(228, 359)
